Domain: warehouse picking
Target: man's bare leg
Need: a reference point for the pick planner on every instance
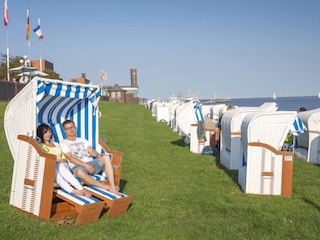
(108, 169)
(88, 180)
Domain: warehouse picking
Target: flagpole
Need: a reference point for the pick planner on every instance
(28, 37)
(8, 56)
(40, 48)
(6, 23)
(100, 78)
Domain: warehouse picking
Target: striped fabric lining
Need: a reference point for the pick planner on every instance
(57, 101)
(98, 177)
(104, 193)
(81, 200)
(198, 111)
(297, 127)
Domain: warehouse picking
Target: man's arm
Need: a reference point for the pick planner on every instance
(72, 159)
(77, 161)
(93, 153)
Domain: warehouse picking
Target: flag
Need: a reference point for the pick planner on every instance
(103, 76)
(27, 26)
(5, 13)
(38, 31)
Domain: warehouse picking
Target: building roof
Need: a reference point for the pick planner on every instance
(116, 88)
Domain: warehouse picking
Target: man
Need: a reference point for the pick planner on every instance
(85, 160)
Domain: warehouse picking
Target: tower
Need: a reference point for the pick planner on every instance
(133, 73)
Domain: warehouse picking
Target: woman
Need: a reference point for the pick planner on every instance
(63, 175)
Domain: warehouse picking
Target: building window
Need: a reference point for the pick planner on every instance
(118, 94)
(113, 95)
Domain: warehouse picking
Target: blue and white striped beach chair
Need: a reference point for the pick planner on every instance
(49, 101)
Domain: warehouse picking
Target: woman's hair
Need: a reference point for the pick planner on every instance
(41, 130)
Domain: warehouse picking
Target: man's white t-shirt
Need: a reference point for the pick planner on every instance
(78, 149)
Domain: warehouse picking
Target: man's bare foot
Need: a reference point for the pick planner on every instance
(78, 192)
(114, 191)
(105, 186)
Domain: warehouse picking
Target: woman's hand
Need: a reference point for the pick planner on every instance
(99, 155)
(61, 160)
(90, 168)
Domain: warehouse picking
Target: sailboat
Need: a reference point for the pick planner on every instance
(274, 96)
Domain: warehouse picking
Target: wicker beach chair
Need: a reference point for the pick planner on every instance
(308, 144)
(231, 151)
(267, 169)
(53, 101)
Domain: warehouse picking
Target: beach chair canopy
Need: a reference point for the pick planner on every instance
(270, 128)
(190, 113)
(311, 120)
(217, 110)
(231, 122)
(269, 106)
(53, 101)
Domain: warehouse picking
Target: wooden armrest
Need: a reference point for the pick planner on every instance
(35, 144)
(117, 156)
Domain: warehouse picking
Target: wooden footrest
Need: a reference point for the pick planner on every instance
(88, 209)
(116, 205)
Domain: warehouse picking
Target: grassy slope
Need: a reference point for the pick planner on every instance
(177, 194)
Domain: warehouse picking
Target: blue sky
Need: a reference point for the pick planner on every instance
(211, 48)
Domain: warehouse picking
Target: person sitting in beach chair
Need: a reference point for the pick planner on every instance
(218, 133)
(63, 176)
(85, 160)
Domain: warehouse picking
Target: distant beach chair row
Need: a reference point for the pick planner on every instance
(252, 140)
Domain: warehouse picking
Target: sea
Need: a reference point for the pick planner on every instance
(284, 103)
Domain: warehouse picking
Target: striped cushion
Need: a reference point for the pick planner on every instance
(80, 200)
(104, 193)
(97, 177)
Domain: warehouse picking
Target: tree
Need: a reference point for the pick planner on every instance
(15, 62)
(52, 74)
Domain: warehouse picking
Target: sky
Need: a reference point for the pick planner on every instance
(207, 48)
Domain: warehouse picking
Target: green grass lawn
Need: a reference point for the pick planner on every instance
(176, 194)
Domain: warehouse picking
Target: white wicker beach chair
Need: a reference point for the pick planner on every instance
(185, 117)
(162, 111)
(231, 151)
(308, 144)
(51, 101)
(191, 122)
(267, 170)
